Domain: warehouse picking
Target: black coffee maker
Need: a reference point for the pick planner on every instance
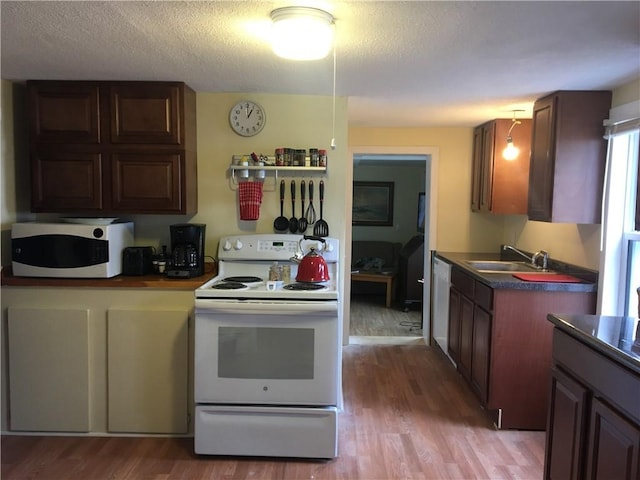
(187, 250)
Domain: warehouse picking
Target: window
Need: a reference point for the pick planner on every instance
(620, 257)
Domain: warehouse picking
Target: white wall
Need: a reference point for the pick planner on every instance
(457, 229)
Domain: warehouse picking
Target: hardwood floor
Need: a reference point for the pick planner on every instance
(407, 415)
(370, 317)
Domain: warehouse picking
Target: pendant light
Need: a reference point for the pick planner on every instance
(301, 33)
(511, 152)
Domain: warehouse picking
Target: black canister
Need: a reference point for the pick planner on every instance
(137, 261)
(314, 157)
(288, 157)
(299, 157)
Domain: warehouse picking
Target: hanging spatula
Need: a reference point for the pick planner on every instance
(293, 221)
(321, 228)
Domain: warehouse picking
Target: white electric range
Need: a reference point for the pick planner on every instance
(267, 356)
(244, 262)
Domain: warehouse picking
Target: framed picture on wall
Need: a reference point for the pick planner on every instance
(372, 204)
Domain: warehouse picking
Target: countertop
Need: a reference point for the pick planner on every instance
(615, 337)
(505, 280)
(143, 281)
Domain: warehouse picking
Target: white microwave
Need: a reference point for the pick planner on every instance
(66, 250)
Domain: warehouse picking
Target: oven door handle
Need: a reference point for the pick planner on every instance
(257, 307)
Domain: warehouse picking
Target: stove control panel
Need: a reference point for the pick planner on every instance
(267, 247)
(288, 246)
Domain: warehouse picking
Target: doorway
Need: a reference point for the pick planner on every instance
(394, 164)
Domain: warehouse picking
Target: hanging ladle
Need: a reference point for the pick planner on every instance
(293, 221)
(302, 221)
(281, 223)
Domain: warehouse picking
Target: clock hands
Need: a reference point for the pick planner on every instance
(242, 118)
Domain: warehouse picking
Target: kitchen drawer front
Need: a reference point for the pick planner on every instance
(291, 431)
(603, 375)
(463, 282)
(484, 296)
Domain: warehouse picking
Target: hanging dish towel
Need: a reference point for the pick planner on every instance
(250, 198)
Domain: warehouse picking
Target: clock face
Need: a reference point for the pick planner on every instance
(247, 118)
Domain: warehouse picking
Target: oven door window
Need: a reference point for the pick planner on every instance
(266, 353)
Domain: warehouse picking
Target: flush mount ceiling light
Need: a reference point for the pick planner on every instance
(301, 33)
(511, 151)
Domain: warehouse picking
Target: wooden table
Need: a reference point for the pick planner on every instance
(386, 278)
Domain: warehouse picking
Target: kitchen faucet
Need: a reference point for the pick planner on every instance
(532, 259)
(545, 259)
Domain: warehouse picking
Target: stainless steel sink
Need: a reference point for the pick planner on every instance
(497, 266)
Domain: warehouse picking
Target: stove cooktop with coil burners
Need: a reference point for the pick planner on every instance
(244, 262)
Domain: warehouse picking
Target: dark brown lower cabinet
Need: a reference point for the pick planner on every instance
(588, 437)
(566, 427)
(453, 335)
(614, 445)
(500, 340)
(466, 337)
(470, 331)
(481, 353)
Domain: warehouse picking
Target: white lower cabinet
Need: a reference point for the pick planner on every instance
(147, 363)
(49, 369)
(97, 360)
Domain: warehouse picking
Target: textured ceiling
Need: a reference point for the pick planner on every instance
(399, 63)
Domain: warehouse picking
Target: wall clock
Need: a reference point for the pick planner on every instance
(247, 118)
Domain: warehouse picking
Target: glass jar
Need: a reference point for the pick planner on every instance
(322, 158)
(299, 158)
(279, 157)
(275, 272)
(286, 273)
(288, 157)
(314, 157)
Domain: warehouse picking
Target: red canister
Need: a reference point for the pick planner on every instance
(322, 158)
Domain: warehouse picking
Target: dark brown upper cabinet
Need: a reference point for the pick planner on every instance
(498, 185)
(60, 114)
(112, 147)
(568, 154)
(145, 116)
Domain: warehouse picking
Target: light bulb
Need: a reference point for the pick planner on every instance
(511, 151)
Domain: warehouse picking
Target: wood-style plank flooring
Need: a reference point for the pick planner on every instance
(370, 317)
(407, 415)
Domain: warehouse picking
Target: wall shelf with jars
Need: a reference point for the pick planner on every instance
(246, 168)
